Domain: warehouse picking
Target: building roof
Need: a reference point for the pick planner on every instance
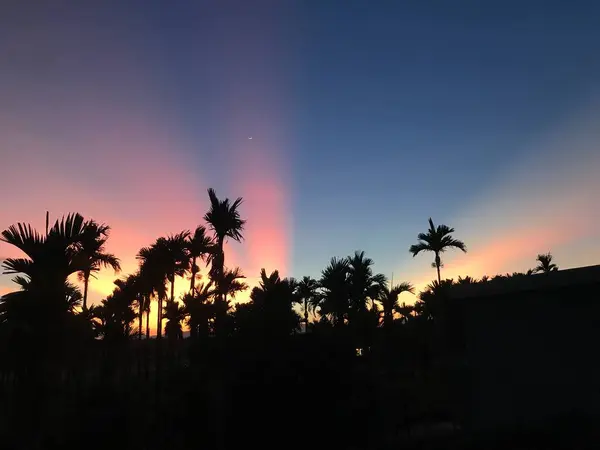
(544, 281)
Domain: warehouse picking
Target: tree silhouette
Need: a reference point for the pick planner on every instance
(545, 264)
(198, 309)
(165, 260)
(154, 272)
(389, 300)
(116, 312)
(308, 290)
(437, 240)
(272, 305)
(175, 314)
(364, 285)
(432, 301)
(93, 254)
(405, 311)
(224, 220)
(334, 301)
(43, 300)
(199, 246)
(466, 280)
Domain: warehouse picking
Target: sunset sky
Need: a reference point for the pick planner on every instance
(366, 119)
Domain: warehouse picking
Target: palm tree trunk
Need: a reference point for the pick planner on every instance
(86, 282)
(306, 316)
(140, 320)
(173, 288)
(388, 319)
(159, 319)
(193, 280)
(438, 263)
(148, 323)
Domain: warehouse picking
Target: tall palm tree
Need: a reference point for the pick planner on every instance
(334, 302)
(165, 260)
(545, 264)
(176, 258)
(224, 220)
(437, 240)
(389, 300)
(307, 290)
(42, 274)
(199, 246)
(153, 272)
(93, 254)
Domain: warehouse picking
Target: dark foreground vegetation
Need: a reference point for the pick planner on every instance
(337, 362)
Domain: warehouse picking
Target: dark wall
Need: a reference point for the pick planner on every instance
(531, 356)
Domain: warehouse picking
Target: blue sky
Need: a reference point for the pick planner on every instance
(366, 119)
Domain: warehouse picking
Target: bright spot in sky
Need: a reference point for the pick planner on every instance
(250, 137)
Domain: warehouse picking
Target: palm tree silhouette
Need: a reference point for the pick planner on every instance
(199, 246)
(405, 310)
(307, 290)
(224, 220)
(334, 302)
(272, 304)
(176, 257)
(198, 309)
(154, 272)
(437, 240)
(175, 314)
(389, 300)
(93, 254)
(433, 299)
(231, 284)
(545, 264)
(42, 274)
(364, 285)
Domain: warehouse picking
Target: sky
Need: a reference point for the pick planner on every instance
(366, 119)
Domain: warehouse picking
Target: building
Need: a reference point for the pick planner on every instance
(529, 348)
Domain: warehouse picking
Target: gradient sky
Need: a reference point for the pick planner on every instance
(366, 118)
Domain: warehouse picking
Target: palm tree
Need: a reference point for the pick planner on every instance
(231, 284)
(433, 299)
(224, 220)
(437, 240)
(466, 280)
(405, 311)
(307, 290)
(334, 302)
(93, 254)
(165, 260)
(176, 258)
(42, 274)
(198, 309)
(228, 286)
(389, 300)
(272, 303)
(364, 285)
(545, 264)
(153, 271)
(115, 314)
(199, 246)
(175, 314)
